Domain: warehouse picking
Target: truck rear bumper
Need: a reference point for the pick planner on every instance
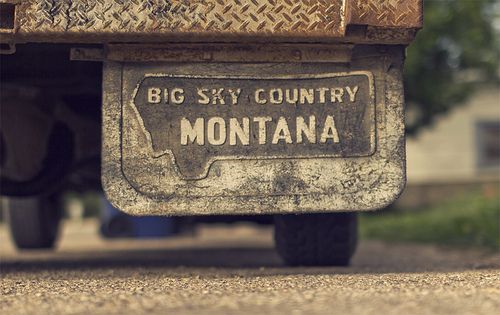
(94, 21)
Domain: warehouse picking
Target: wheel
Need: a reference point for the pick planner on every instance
(34, 221)
(324, 239)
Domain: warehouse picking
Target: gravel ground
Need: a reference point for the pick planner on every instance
(234, 270)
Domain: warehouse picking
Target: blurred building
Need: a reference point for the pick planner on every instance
(459, 153)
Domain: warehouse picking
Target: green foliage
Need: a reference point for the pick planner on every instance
(456, 51)
(469, 221)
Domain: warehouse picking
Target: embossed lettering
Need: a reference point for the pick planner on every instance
(276, 96)
(217, 97)
(216, 131)
(177, 96)
(336, 95)
(282, 132)
(262, 127)
(235, 94)
(154, 95)
(237, 131)
(258, 97)
(352, 93)
(190, 133)
(308, 130)
(329, 131)
(306, 95)
(204, 99)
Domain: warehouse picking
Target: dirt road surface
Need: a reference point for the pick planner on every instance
(234, 270)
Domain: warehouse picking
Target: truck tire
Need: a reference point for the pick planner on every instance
(34, 221)
(324, 239)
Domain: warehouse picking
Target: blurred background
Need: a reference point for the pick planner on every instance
(453, 130)
(452, 79)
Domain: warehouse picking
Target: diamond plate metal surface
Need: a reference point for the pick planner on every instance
(182, 16)
(100, 21)
(386, 13)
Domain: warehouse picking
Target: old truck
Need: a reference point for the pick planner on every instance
(205, 107)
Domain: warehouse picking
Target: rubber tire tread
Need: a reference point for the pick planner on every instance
(34, 222)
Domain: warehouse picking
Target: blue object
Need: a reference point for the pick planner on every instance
(116, 224)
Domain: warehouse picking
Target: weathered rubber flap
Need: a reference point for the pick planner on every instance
(233, 138)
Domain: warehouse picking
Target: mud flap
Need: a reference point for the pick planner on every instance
(246, 137)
